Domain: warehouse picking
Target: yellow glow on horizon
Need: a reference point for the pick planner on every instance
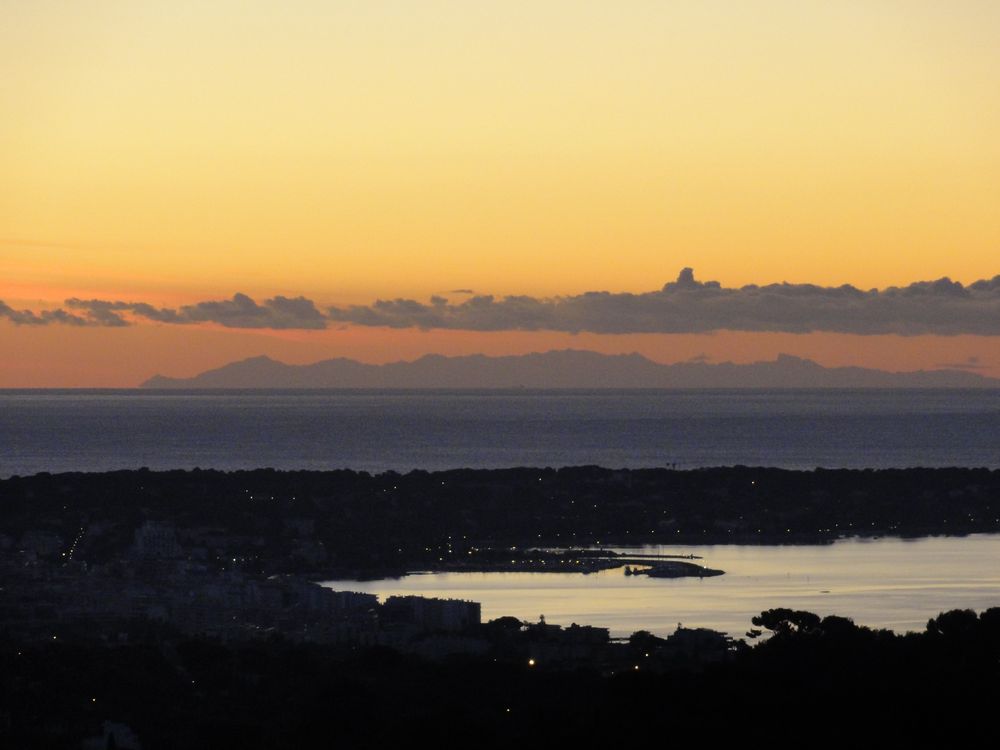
(179, 151)
(363, 149)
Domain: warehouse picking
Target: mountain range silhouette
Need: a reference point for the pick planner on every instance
(568, 368)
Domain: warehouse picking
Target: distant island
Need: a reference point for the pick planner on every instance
(567, 368)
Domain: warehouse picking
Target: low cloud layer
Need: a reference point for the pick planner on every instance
(686, 305)
(47, 317)
(941, 307)
(239, 312)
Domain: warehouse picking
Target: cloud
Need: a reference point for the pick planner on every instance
(239, 312)
(941, 307)
(686, 305)
(48, 317)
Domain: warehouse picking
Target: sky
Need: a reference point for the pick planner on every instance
(188, 183)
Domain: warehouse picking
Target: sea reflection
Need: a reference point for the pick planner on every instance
(890, 583)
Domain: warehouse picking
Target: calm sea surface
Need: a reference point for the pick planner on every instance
(888, 583)
(402, 430)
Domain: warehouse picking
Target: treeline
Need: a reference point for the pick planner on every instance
(350, 519)
(813, 681)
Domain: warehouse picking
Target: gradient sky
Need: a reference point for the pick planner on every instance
(174, 152)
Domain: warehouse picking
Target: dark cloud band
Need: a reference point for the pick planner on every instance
(941, 307)
(239, 312)
(46, 317)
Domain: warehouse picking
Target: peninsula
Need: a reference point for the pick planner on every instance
(346, 524)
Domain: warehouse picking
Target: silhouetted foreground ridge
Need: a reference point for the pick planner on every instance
(814, 678)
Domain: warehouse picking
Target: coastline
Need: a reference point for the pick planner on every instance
(346, 524)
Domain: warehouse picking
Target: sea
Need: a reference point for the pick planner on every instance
(890, 583)
(376, 431)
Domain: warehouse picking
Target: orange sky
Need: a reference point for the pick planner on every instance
(123, 357)
(172, 152)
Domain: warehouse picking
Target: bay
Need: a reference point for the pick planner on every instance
(883, 583)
